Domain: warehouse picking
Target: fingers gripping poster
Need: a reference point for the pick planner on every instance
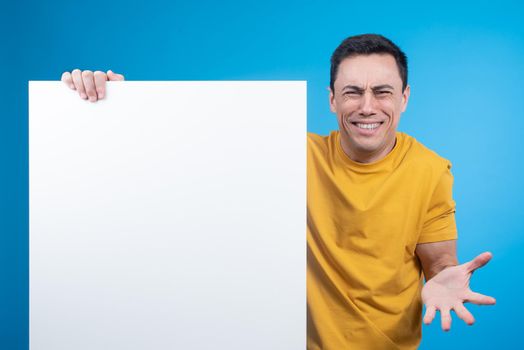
(169, 215)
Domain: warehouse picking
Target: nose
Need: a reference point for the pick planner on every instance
(367, 104)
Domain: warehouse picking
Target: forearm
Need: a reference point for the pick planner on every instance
(437, 256)
(433, 269)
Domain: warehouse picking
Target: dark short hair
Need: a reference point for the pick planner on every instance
(367, 44)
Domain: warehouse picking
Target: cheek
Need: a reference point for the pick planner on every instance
(391, 109)
(348, 107)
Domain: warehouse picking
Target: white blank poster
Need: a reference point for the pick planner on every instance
(170, 215)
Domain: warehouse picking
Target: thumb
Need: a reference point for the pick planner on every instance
(112, 76)
(479, 261)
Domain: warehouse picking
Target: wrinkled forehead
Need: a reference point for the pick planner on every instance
(368, 70)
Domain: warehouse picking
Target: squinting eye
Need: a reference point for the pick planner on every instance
(383, 93)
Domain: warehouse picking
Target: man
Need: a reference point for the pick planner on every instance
(380, 211)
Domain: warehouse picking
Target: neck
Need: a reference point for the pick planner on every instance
(367, 157)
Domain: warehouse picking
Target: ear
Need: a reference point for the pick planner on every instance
(405, 98)
(332, 106)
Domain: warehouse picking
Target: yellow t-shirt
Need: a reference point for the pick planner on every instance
(364, 223)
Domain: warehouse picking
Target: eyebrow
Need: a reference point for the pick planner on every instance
(383, 86)
(360, 89)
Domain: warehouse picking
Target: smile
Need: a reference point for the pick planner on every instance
(367, 126)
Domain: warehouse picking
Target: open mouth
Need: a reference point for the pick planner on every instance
(367, 127)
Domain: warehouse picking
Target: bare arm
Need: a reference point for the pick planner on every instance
(447, 283)
(437, 256)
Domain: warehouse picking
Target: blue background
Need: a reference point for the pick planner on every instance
(466, 73)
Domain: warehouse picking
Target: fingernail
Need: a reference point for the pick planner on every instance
(100, 96)
(92, 99)
(84, 96)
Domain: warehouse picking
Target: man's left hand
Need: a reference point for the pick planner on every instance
(449, 290)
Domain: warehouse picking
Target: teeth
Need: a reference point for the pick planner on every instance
(368, 126)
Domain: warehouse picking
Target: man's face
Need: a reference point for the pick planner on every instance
(368, 100)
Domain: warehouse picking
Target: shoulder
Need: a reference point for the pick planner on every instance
(315, 139)
(319, 142)
(320, 147)
(420, 157)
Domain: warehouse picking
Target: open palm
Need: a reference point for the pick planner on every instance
(449, 290)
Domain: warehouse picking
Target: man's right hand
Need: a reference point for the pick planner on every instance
(90, 85)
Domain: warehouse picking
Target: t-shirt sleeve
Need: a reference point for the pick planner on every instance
(439, 222)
